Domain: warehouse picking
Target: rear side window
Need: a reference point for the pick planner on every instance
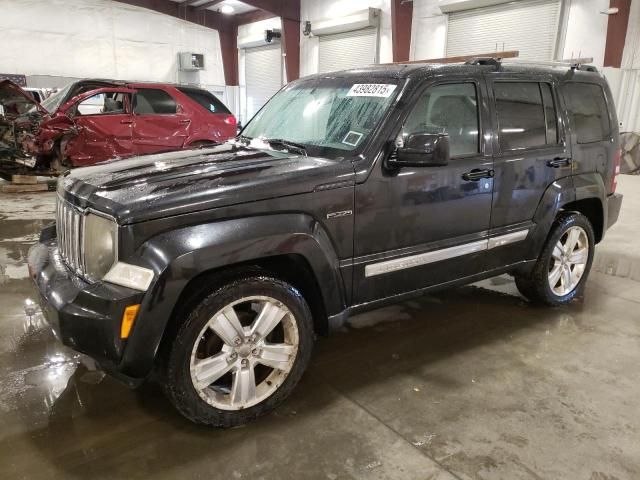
(522, 121)
(206, 100)
(588, 108)
(152, 101)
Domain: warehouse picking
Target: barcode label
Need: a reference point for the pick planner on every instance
(371, 90)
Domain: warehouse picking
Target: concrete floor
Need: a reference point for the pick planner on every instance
(472, 383)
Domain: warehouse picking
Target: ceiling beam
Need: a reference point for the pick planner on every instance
(206, 5)
(205, 18)
(289, 9)
(252, 16)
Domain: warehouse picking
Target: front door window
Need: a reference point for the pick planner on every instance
(451, 109)
(102, 104)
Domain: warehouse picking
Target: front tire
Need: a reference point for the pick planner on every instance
(240, 352)
(561, 270)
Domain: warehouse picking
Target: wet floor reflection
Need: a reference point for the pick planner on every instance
(448, 376)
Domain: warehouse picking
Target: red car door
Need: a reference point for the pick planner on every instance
(159, 123)
(102, 126)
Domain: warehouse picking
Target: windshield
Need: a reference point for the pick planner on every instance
(52, 103)
(327, 116)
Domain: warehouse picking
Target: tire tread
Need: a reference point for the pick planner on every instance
(535, 284)
(176, 380)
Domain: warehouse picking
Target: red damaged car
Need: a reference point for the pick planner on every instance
(91, 121)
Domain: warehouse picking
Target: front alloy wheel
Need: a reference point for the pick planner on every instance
(244, 353)
(240, 352)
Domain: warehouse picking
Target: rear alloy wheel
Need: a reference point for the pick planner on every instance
(568, 261)
(564, 263)
(240, 352)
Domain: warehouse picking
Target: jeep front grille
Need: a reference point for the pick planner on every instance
(69, 228)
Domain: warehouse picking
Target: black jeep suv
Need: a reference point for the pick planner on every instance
(213, 269)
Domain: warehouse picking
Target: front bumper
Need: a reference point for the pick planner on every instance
(85, 317)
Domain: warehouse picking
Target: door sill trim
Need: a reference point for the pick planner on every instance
(402, 263)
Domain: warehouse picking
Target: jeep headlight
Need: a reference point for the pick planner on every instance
(100, 245)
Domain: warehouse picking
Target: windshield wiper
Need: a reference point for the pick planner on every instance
(291, 146)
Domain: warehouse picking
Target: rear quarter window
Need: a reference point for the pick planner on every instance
(588, 109)
(206, 100)
(153, 101)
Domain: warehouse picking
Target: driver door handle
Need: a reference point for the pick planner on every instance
(477, 174)
(559, 162)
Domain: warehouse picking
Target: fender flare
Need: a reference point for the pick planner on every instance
(560, 193)
(179, 256)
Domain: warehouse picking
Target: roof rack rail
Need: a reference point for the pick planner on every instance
(572, 63)
(462, 58)
(494, 61)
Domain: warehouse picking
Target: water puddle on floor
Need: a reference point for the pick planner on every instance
(617, 265)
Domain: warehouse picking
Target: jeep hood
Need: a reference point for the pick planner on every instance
(157, 186)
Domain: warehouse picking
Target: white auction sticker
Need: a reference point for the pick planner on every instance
(371, 90)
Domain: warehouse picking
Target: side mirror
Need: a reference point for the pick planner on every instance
(423, 150)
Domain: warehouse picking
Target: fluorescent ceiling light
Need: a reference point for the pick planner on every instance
(227, 9)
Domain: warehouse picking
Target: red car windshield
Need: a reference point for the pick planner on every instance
(52, 103)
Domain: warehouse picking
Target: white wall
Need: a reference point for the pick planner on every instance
(586, 30)
(631, 53)
(428, 30)
(252, 31)
(318, 10)
(586, 33)
(102, 38)
(625, 81)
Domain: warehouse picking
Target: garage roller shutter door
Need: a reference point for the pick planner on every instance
(341, 51)
(529, 26)
(263, 75)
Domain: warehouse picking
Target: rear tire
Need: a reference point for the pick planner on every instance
(240, 352)
(561, 271)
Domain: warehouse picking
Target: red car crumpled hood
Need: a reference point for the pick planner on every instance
(15, 100)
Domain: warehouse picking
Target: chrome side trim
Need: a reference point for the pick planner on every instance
(507, 239)
(411, 261)
(423, 258)
(343, 213)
